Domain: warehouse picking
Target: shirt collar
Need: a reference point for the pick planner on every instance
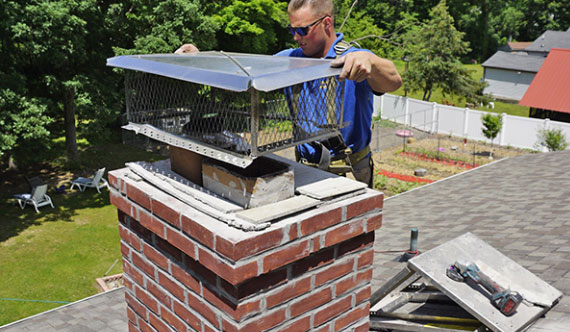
(331, 54)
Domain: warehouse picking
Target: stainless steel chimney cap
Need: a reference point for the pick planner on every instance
(230, 71)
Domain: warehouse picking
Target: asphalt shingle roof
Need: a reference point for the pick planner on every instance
(514, 61)
(550, 39)
(520, 206)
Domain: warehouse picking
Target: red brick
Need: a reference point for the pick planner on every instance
(249, 246)
(197, 231)
(316, 241)
(122, 217)
(113, 180)
(125, 251)
(301, 325)
(167, 249)
(138, 230)
(172, 320)
(352, 316)
(171, 286)
(333, 272)
(374, 222)
(200, 270)
(151, 223)
(321, 221)
(366, 205)
(348, 231)
(143, 265)
(120, 202)
(158, 323)
(185, 278)
(264, 282)
(131, 315)
(285, 255)
(207, 328)
(311, 302)
(366, 258)
(363, 295)
(232, 274)
(365, 327)
(331, 311)
(165, 212)
(314, 261)
(145, 327)
(129, 270)
(133, 327)
(146, 299)
(138, 196)
(155, 256)
(162, 296)
(137, 307)
(181, 242)
(291, 291)
(203, 308)
(324, 328)
(268, 321)
(237, 312)
(228, 326)
(349, 284)
(130, 238)
(128, 282)
(355, 244)
(187, 316)
(293, 232)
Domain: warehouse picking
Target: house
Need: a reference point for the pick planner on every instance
(509, 74)
(515, 47)
(547, 41)
(548, 96)
(518, 205)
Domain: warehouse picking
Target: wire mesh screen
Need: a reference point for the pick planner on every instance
(250, 123)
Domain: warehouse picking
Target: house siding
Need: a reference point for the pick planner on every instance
(506, 84)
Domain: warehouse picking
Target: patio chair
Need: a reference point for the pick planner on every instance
(96, 181)
(33, 182)
(37, 198)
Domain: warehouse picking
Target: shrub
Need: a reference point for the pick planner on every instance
(552, 139)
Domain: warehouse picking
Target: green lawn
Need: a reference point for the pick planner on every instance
(57, 254)
(477, 74)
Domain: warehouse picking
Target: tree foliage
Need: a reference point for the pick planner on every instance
(552, 139)
(433, 50)
(492, 125)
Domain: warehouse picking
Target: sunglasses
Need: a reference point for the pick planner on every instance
(303, 31)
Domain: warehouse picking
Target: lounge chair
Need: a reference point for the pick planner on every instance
(37, 198)
(33, 182)
(96, 181)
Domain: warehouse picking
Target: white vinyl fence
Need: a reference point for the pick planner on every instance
(517, 131)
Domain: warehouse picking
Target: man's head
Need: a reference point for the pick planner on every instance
(312, 25)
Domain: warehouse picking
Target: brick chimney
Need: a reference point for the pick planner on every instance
(184, 270)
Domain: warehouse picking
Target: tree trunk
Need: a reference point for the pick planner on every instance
(70, 135)
(484, 29)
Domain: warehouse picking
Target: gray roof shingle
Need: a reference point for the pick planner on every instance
(550, 39)
(514, 61)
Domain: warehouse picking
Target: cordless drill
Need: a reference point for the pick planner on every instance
(505, 300)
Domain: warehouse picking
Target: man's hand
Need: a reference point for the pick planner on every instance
(361, 65)
(356, 66)
(187, 49)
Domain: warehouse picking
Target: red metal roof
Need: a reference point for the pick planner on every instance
(550, 88)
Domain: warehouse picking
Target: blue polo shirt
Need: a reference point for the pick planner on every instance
(358, 101)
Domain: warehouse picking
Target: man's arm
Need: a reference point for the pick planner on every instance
(381, 73)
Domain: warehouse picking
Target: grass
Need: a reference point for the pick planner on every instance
(57, 254)
(477, 74)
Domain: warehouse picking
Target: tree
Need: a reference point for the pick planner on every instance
(255, 26)
(492, 125)
(433, 50)
(552, 139)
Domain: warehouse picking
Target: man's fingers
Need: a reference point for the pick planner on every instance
(337, 62)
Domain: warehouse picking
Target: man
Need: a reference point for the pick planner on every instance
(312, 26)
